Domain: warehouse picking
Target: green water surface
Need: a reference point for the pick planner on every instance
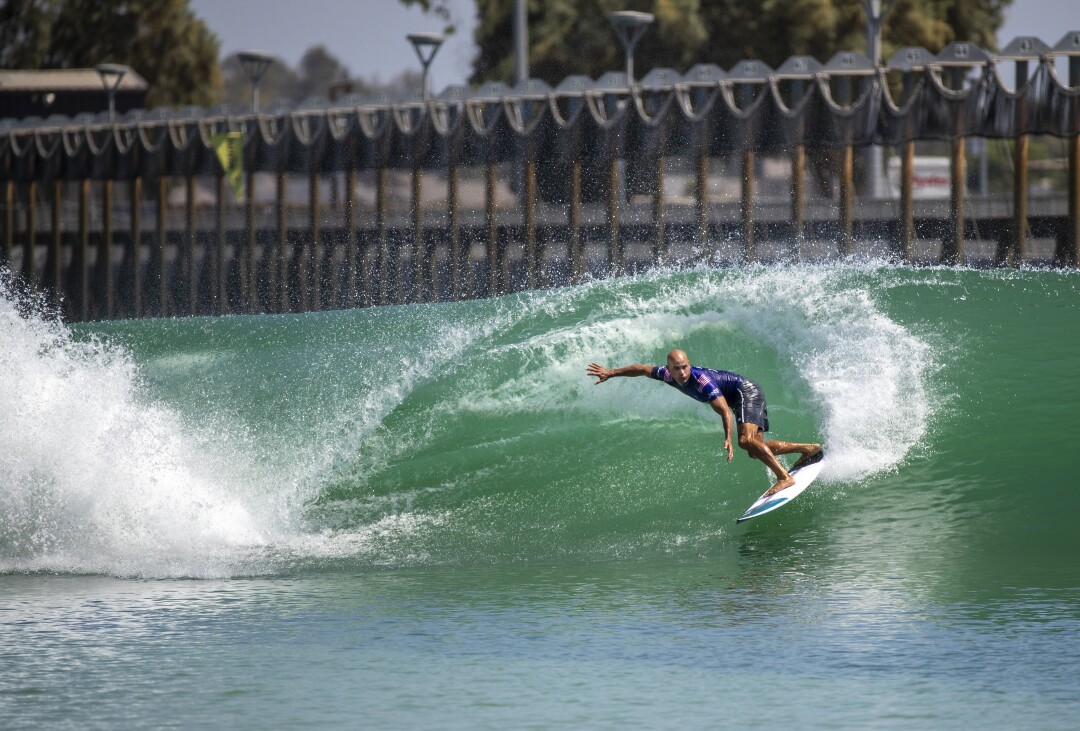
(445, 524)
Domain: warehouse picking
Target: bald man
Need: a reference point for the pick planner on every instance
(723, 390)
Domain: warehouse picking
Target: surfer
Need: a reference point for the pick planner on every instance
(718, 388)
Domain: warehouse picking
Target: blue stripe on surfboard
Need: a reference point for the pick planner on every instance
(756, 510)
(762, 508)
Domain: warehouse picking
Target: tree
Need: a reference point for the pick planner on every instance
(572, 37)
(439, 8)
(162, 40)
(277, 84)
(318, 70)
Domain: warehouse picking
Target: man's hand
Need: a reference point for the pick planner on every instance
(730, 451)
(599, 371)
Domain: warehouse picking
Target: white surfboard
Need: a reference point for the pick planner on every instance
(803, 477)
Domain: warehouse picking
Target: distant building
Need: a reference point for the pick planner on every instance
(42, 93)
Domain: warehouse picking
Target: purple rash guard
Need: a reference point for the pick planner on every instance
(704, 384)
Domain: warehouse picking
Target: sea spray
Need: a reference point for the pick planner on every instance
(93, 478)
(870, 378)
(509, 432)
(442, 433)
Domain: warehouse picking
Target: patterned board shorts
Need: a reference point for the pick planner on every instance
(750, 406)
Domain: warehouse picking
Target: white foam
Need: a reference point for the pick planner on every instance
(93, 478)
(870, 376)
(96, 477)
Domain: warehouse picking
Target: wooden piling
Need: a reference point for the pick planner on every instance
(314, 264)
(9, 223)
(659, 213)
(1068, 250)
(847, 200)
(30, 235)
(132, 255)
(382, 256)
(190, 267)
(616, 259)
(219, 269)
(284, 291)
(532, 254)
(103, 265)
(747, 206)
(81, 259)
(494, 269)
(54, 261)
(701, 170)
(505, 281)
(419, 251)
(576, 251)
(906, 243)
(952, 247)
(1018, 244)
(431, 274)
(846, 174)
(352, 298)
(162, 263)
(798, 199)
(245, 260)
(458, 259)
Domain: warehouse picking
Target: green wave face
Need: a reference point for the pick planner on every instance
(468, 433)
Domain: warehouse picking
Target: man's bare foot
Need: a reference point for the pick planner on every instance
(808, 458)
(780, 485)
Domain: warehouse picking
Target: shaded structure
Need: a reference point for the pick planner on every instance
(587, 169)
(47, 92)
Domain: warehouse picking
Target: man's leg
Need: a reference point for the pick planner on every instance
(806, 450)
(750, 440)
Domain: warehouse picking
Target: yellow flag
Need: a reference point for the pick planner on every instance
(230, 151)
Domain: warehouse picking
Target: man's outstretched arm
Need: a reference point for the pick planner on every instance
(720, 406)
(599, 371)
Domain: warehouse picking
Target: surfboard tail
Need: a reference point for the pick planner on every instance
(812, 460)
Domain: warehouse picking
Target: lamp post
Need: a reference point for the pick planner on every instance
(629, 26)
(875, 11)
(521, 40)
(426, 46)
(255, 64)
(111, 76)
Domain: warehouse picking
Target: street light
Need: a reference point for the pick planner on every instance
(875, 11)
(255, 64)
(426, 46)
(629, 26)
(521, 40)
(111, 76)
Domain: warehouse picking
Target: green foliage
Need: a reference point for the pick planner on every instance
(439, 8)
(160, 39)
(278, 83)
(319, 74)
(574, 37)
(318, 70)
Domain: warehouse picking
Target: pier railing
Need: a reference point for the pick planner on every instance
(374, 201)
